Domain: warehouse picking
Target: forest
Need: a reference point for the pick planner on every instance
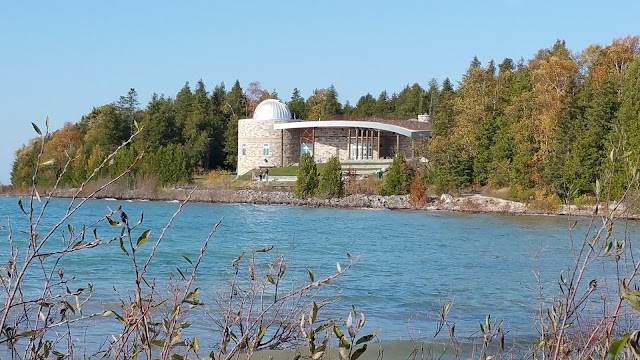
(553, 123)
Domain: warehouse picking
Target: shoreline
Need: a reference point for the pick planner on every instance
(276, 196)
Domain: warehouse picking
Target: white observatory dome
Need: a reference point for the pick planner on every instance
(272, 109)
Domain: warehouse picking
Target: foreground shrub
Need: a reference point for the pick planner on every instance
(331, 184)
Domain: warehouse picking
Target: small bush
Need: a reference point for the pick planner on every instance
(418, 192)
(217, 176)
(331, 183)
(397, 180)
(583, 201)
(307, 182)
(545, 202)
(367, 186)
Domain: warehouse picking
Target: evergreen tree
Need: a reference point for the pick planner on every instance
(409, 102)
(629, 113)
(198, 128)
(365, 106)
(234, 107)
(332, 105)
(331, 184)
(442, 117)
(158, 123)
(218, 126)
(383, 107)
(128, 105)
(183, 106)
(307, 181)
(431, 96)
(297, 105)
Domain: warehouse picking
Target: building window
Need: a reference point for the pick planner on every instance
(265, 149)
(244, 149)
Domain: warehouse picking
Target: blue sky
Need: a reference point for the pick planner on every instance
(62, 58)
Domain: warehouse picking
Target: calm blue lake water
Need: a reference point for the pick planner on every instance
(409, 262)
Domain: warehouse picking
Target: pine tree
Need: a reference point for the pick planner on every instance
(307, 181)
(297, 105)
(365, 106)
(128, 105)
(331, 184)
(234, 107)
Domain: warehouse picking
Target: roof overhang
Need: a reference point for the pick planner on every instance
(352, 124)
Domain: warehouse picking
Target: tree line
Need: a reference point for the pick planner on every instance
(553, 122)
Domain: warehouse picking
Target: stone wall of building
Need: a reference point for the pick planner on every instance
(330, 142)
(256, 135)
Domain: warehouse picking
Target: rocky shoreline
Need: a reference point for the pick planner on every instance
(274, 196)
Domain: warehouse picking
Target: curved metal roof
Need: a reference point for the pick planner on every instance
(272, 109)
(355, 124)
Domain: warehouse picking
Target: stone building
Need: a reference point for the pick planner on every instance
(272, 138)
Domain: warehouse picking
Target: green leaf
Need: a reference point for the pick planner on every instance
(143, 238)
(188, 260)
(310, 273)
(157, 342)
(192, 294)
(356, 354)
(177, 357)
(27, 333)
(139, 221)
(343, 339)
(633, 297)
(107, 313)
(174, 311)
(195, 344)
(21, 207)
(616, 346)
(314, 312)
(113, 222)
(324, 326)
(270, 279)
(365, 339)
(36, 128)
(121, 241)
(261, 333)
(181, 274)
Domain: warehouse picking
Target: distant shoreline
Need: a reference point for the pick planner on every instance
(274, 196)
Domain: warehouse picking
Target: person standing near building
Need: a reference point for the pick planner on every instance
(266, 175)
